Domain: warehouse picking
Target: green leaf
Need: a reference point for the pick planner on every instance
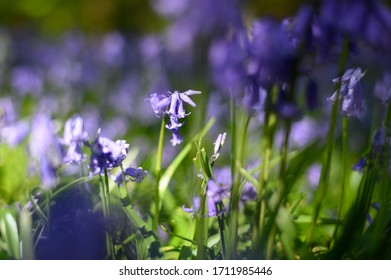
(9, 229)
(167, 175)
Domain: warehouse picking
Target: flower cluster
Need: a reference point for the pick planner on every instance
(214, 200)
(353, 103)
(172, 105)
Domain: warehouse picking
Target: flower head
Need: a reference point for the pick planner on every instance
(74, 138)
(353, 103)
(45, 149)
(133, 174)
(214, 199)
(173, 106)
(106, 154)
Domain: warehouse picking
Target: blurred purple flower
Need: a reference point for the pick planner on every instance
(107, 154)
(214, 200)
(195, 207)
(353, 103)
(74, 138)
(227, 61)
(7, 112)
(271, 54)
(14, 133)
(133, 174)
(368, 20)
(45, 150)
(26, 80)
(378, 153)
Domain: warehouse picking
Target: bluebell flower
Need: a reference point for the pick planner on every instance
(365, 20)
(176, 108)
(159, 103)
(377, 153)
(132, 174)
(74, 138)
(195, 208)
(14, 133)
(271, 54)
(173, 106)
(227, 62)
(26, 80)
(45, 150)
(107, 154)
(214, 200)
(353, 103)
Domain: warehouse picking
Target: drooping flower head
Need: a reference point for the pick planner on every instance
(172, 105)
(107, 154)
(353, 103)
(214, 200)
(132, 174)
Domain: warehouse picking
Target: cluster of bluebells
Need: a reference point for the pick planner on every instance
(353, 103)
(172, 105)
(214, 200)
(49, 152)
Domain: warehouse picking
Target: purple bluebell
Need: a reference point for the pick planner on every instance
(214, 200)
(227, 61)
(248, 193)
(367, 20)
(7, 112)
(45, 150)
(271, 54)
(107, 154)
(383, 88)
(173, 106)
(377, 153)
(176, 105)
(195, 208)
(26, 80)
(74, 138)
(285, 107)
(132, 174)
(159, 103)
(14, 133)
(353, 103)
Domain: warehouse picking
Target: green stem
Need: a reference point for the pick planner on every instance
(201, 227)
(267, 143)
(106, 211)
(146, 233)
(158, 172)
(324, 176)
(235, 191)
(345, 169)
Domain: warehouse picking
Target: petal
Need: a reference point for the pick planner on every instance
(187, 99)
(192, 92)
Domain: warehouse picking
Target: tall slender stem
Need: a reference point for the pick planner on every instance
(235, 191)
(345, 169)
(105, 193)
(158, 172)
(266, 145)
(324, 175)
